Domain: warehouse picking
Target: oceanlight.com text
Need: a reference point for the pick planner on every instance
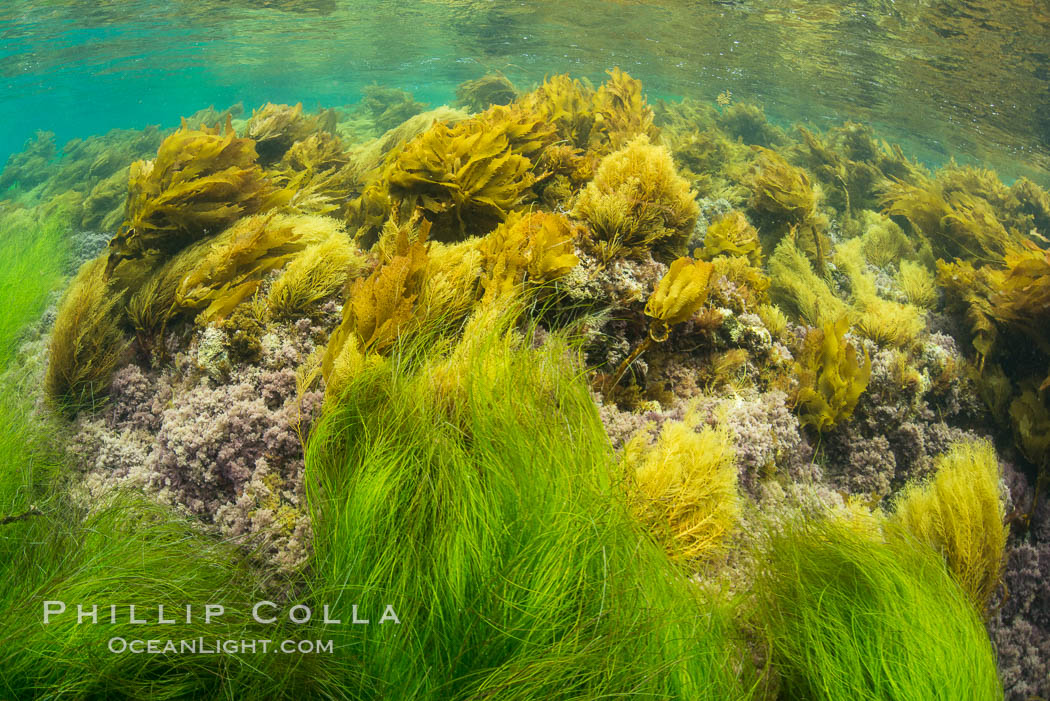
(216, 646)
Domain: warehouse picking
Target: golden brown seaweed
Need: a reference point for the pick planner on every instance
(537, 247)
(680, 293)
(224, 271)
(199, 184)
(637, 203)
(378, 307)
(959, 513)
(733, 235)
(86, 341)
(275, 128)
(465, 178)
(480, 94)
(831, 377)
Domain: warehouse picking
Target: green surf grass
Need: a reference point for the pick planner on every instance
(477, 499)
(849, 617)
(34, 249)
(132, 551)
(127, 551)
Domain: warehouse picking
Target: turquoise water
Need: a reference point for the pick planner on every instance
(965, 79)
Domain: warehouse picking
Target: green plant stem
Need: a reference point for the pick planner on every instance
(650, 339)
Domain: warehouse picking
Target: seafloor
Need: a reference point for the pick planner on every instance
(604, 397)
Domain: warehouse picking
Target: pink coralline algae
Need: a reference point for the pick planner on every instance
(1019, 619)
(230, 453)
(1020, 626)
(910, 413)
(766, 436)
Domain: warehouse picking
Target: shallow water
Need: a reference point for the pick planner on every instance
(965, 79)
(568, 363)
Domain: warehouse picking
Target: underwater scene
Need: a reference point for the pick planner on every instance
(484, 350)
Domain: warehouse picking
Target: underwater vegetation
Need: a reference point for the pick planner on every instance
(796, 286)
(389, 107)
(35, 249)
(853, 164)
(851, 616)
(381, 303)
(831, 375)
(603, 397)
(637, 203)
(319, 271)
(679, 294)
(86, 341)
(129, 547)
(465, 176)
(86, 178)
(537, 248)
(685, 486)
(481, 93)
(199, 183)
(677, 297)
(965, 212)
(567, 605)
(960, 514)
(780, 189)
(276, 128)
(144, 554)
(491, 181)
(215, 277)
(733, 235)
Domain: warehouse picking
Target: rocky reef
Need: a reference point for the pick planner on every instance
(772, 326)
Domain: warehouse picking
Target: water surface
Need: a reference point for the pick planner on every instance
(969, 79)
